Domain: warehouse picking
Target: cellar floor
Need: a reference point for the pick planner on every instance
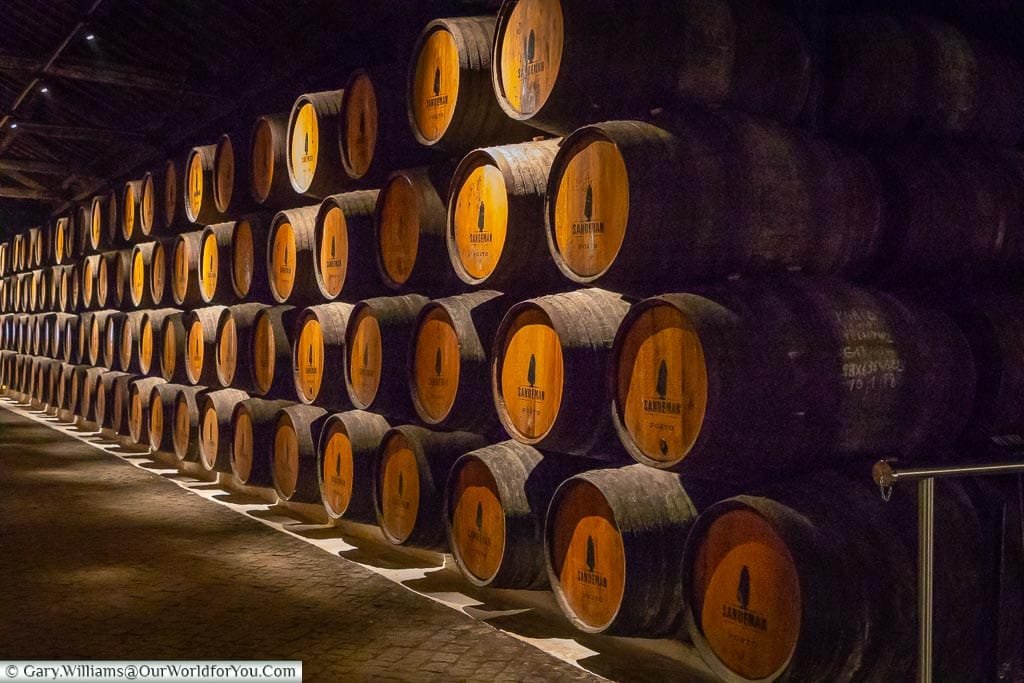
(103, 560)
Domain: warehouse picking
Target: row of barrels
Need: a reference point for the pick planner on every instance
(739, 380)
(744, 577)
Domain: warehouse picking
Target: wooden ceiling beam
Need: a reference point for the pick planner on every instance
(34, 166)
(23, 193)
(46, 130)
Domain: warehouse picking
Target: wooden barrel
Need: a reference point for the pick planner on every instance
(449, 361)
(139, 392)
(84, 334)
(98, 237)
(344, 234)
(111, 401)
(495, 501)
(215, 411)
(90, 264)
(172, 348)
(53, 282)
(162, 264)
(410, 226)
(346, 457)
(296, 435)
(558, 64)
(451, 103)
(96, 335)
(70, 342)
(547, 374)
(175, 182)
(318, 355)
(951, 209)
(253, 421)
(186, 423)
(799, 203)
(412, 467)
(377, 341)
(248, 253)
(62, 239)
(151, 338)
(110, 338)
(495, 214)
(201, 344)
(151, 204)
(71, 288)
(373, 127)
(87, 394)
(131, 216)
(291, 256)
(270, 352)
(185, 272)
(268, 174)
(141, 264)
(36, 247)
(613, 564)
(757, 571)
(890, 75)
(38, 294)
(62, 398)
(161, 416)
(200, 199)
(73, 386)
(799, 367)
(60, 337)
(314, 161)
(83, 228)
(112, 275)
(236, 328)
(129, 346)
(231, 181)
(214, 259)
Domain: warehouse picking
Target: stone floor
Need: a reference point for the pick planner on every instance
(102, 560)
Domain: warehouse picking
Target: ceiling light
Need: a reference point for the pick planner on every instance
(14, 125)
(44, 89)
(90, 36)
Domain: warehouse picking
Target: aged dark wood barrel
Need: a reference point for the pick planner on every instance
(175, 182)
(410, 227)
(346, 456)
(236, 327)
(162, 264)
(495, 216)
(140, 290)
(893, 75)
(296, 435)
(450, 98)
(185, 425)
(121, 397)
(172, 348)
(87, 276)
(100, 216)
(314, 161)
(268, 174)
(495, 501)
(252, 424)
(816, 580)
(62, 240)
(151, 339)
(87, 394)
(200, 193)
(546, 372)
(344, 236)
(161, 416)
(151, 204)
(318, 355)
(637, 207)
(799, 367)
(64, 394)
(96, 335)
(129, 346)
(201, 344)
(74, 388)
(412, 467)
(214, 262)
(110, 337)
(139, 393)
(215, 411)
(230, 178)
(270, 352)
(81, 348)
(377, 341)
(373, 128)
(62, 338)
(248, 254)
(112, 279)
(131, 215)
(449, 361)
(291, 256)
(185, 272)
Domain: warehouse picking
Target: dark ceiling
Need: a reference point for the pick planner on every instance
(96, 92)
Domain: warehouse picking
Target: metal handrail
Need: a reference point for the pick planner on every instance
(887, 477)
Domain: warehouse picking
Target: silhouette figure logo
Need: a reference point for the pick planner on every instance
(437, 81)
(480, 218)
(437, 362)
(531, 371)
(660, 386)
(591, 552)
(743, 589)
(479, 516)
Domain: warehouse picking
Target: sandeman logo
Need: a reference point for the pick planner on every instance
(588, 202)
(531, 392)
(479, 516)
(401, 484)
(438, 99)
(437, 380)
(530, 52)
(588, 226)
(740, 613)
(362, 123)
(590, 553)
(337, 466)
(437, 81)
(590, 575)
(306, 156)
(661, 404)
(480, 236)
(437, 362)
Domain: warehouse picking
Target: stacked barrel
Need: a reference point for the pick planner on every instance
(615, 301)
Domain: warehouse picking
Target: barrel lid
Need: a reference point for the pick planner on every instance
(209, 434)
(223, 173)
(182, 425)
(359, 124)
(398, 487)
(127, 341)
(308, 357)
(158, 273)
(209, 265)
(195, 350)
(282, 257)
(660, 379)
(398, 228)
(147, 203)
(476, 518)
(243, 258)
(744, 593)
(179, 277)
(264, 352)
(478, 213)
(364, 356)
(303, 144)
(135, 414)
(169, 349)
(241, 443)
(436, 364)
(528, 373)
(332, 249)
(587, 204)
(262, 155)
(156, 418)
(146, 344)
(130, 202)
(337, 468)
(528, 49)
(137, 284)
(434, 87)
(227, 348)
(96, 225)
(286, 456)
(195, 185)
